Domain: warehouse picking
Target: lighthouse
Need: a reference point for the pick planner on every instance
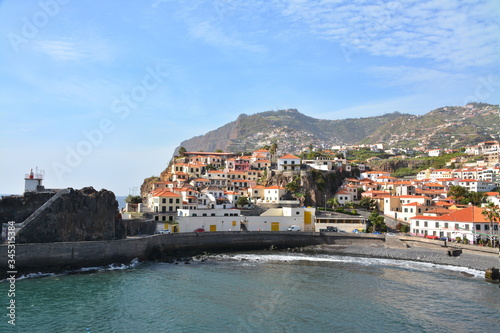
(33, 181)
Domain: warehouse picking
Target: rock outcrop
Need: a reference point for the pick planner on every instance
(74, 215)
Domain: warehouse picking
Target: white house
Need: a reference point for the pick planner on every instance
(273, 194)
(209, 219)
(288, 163)
(467, 223)
(477, 185)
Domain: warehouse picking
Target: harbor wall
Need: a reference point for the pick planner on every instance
(59, 256)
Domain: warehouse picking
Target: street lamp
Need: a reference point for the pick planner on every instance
(325, 203)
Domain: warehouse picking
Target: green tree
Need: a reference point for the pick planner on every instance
(476, 198)
(377, 222)
(242, 201)
(367, 203)
(333, 202)
(182, 150)
(133, 199)
(492, 213)
(273, 150)
(219, 151)
(292, 186)
(459, 194)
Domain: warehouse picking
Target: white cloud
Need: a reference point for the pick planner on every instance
(211, 34)
(61, 50)
(449, 32)
(75, 51)
(407, 75)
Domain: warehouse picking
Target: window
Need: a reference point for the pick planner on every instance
(425, 224)
(437, 224)
(417, 223)
(171, 200)
(446, 225)
(466, 227)
(478, 227)
(486, 227)
(163, 200)
(456, 225)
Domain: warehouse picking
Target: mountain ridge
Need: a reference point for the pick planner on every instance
(444, 127)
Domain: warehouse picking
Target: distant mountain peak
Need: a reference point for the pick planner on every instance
(293, 131)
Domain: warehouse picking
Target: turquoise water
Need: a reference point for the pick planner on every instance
(260, 292)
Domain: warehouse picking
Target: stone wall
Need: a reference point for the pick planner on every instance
(52, 257)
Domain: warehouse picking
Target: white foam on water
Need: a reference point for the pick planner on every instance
(407, 264)
(111, 267)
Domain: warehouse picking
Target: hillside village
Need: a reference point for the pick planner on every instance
(217, 191)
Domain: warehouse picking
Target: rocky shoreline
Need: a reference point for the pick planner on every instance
(429, 254)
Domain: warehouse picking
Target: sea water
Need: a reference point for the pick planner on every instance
(259, 292)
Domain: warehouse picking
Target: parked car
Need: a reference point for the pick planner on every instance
(199, 230)
(294, 228)
(376, 233)
(165, 231)
(431, 237)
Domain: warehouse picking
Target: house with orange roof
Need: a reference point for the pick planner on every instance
(163, 184)
(199, 182)
(393, 205)
(288, 162)
(468, 223)
(261, 154)
(242, 163)
(273, 194)
(474, 185)
(344, 196)
(254, 175)
(256, 192)
(217, 177)
(164, 203)
(260, 164)
(493, 197)
(229, 164)
(374, 175)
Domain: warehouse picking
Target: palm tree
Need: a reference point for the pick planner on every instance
(333, 202)
(273, 150)
(492, 213)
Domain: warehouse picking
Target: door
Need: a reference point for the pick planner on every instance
(275, 226)
(213, 227)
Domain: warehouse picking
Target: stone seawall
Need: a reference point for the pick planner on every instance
(71, 255)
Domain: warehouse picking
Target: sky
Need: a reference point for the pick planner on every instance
(99, 93)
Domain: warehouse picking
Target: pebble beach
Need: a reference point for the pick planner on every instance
(430, 254)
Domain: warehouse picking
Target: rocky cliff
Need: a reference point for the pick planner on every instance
(74, 215)
(18, 208)
(310, 187)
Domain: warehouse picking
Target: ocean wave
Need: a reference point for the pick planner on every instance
(366, 261)
(83, 270)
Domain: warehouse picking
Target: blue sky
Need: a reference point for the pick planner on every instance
(99, 93)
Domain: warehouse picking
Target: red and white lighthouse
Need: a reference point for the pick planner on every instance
(33, 181)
